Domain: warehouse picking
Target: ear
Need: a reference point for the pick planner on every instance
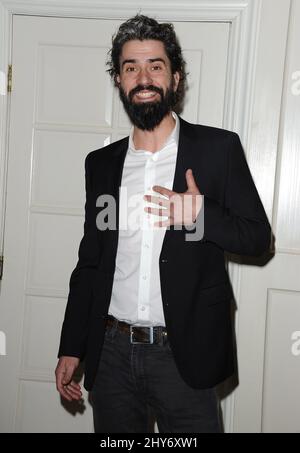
(176, 76)
(117, 79)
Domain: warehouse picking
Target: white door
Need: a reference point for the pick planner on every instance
(268, 398)
(63, 106)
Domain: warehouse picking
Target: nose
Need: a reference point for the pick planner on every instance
(144, 77)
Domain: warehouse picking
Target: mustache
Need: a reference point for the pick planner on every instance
(145, 87)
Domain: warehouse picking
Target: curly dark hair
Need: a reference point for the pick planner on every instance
(142, 27)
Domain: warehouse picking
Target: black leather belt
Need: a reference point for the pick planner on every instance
(139, 334)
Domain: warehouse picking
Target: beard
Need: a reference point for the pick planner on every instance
(148, 115)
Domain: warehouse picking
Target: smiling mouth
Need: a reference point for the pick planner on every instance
(145, 94)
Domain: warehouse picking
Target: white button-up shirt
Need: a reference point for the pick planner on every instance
(136, 293)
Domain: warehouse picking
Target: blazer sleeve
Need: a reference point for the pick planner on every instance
(239, 224)
(75, 326)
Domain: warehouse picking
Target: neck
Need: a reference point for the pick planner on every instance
(154, 140)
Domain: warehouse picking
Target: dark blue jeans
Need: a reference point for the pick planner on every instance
(139, 383)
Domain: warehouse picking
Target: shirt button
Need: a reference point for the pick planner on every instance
(146, 246)
(142, 308)
(145, 277)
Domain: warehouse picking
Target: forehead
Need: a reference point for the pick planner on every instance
(142, 50)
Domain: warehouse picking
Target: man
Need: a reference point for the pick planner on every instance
(149, 308)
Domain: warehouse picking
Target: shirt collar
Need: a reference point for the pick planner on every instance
(173, 137)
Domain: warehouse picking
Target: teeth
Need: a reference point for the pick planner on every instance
(145, 95)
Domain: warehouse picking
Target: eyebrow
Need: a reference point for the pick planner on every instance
(150, 60)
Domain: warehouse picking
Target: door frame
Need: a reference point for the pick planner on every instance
(244, 17)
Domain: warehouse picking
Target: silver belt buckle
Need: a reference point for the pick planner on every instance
(133, 341)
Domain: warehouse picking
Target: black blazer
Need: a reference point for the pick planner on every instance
(196, 291)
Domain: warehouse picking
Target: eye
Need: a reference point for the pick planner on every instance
(156, 67)
(130, 69)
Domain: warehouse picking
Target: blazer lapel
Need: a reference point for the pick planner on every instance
(183, 163)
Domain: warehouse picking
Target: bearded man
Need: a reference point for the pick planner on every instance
(149, 307)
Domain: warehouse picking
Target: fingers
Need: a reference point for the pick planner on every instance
(191, 183)
(163, 191)
(158, 211)
(62, 389)
(165, 211)
(67, 388)
(180, 208)
(158, 200)
(72, 391)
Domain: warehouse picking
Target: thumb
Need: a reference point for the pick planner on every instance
(191, 183)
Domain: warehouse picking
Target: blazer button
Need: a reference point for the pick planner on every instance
(164, 261)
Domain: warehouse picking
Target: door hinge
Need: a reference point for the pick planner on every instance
(1, 267)
(9, 78)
